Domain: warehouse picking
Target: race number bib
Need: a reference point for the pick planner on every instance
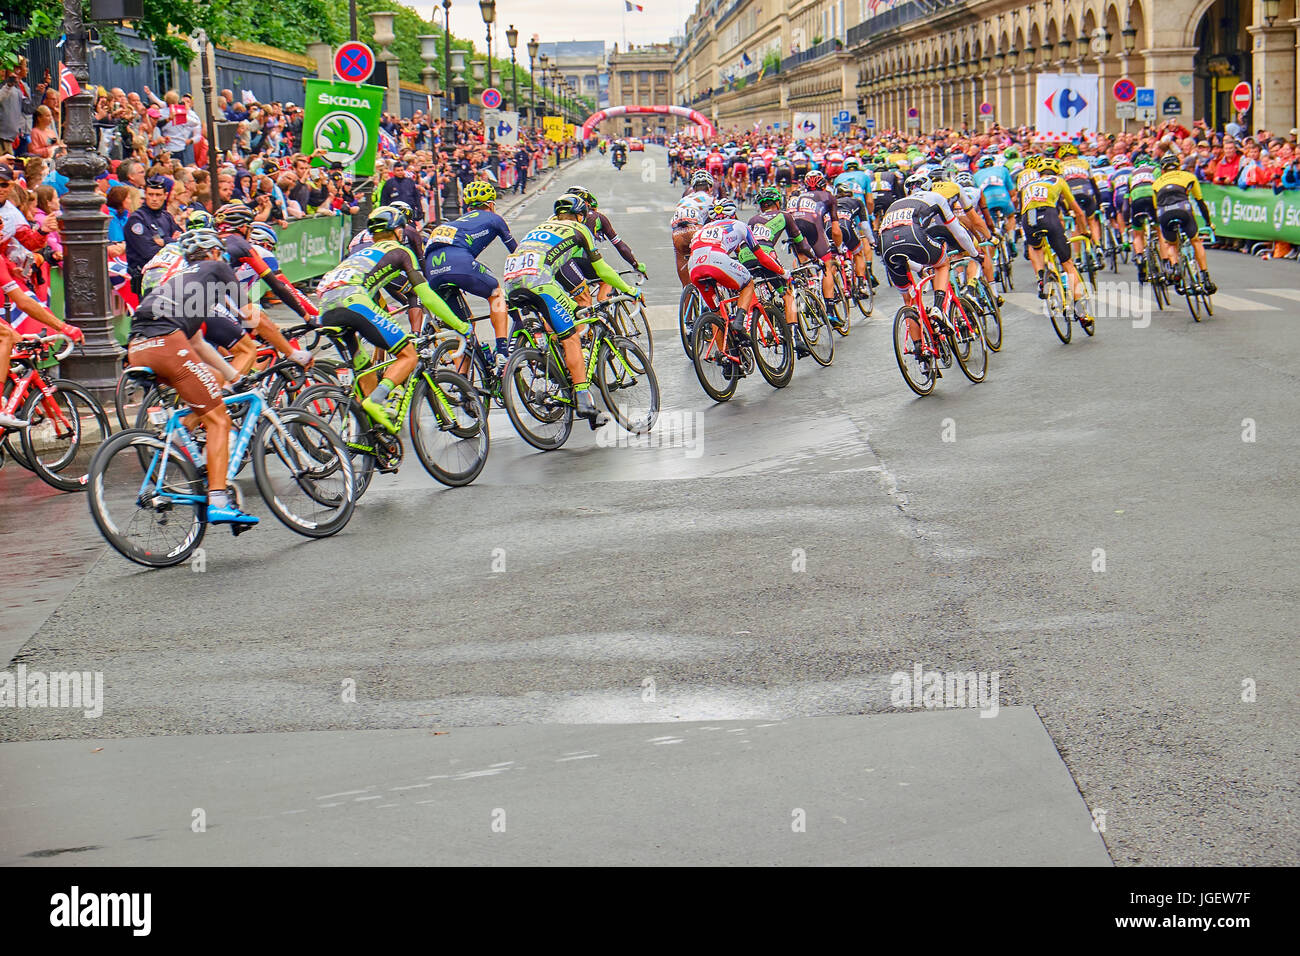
(715, 232)
(1038, 191)
(898, 217)
(443, 234)
(523, 264)
(762, 234)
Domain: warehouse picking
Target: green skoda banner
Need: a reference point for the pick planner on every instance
(310, 247)
(343, 120)
(1254, 213)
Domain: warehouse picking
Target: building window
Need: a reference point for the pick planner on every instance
(661, 76)
(626, 76)
(643, 77)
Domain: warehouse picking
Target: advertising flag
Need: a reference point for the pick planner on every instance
(1067, 104)
(343, 120)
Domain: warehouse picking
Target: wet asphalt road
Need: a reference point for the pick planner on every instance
(800, 548)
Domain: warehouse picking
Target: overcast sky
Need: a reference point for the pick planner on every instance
(555, 20)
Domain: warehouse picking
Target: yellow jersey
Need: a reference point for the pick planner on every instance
(1045, 192)
(1175, 186)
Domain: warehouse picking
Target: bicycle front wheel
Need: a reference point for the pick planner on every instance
(968, 342)
(335, 406)
(714, 366)
(1057, 309)
(918, 368)
(67, 426)
(689, 308)
(304, 473)
(135, 511)
(628, 385)
(814, 327)
(449, 427)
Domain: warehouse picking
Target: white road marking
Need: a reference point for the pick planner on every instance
(1292, 294)
(1226, 301)
(636, 209)
(345, 793)
(577, 757)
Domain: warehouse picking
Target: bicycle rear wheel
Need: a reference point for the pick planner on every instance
(773, 350)
(67, 426)
(1057, 309)
(304, 473)
(336, 407)
(814, 327)
(632, 323)
(864, 294)
(133, 512)
(712, 346)
(539, 399)
(840, 320)
(628, 384)
(968, 342)
(991, 316)
(918, 368)
(449, 428)
(1190, 293)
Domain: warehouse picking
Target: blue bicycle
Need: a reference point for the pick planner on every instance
(148, 492)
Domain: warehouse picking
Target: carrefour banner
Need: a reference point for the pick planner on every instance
(1067, 104)
(1254, 213)
(343, 120)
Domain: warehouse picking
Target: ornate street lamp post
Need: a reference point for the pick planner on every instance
(512, 38)
(532, 82)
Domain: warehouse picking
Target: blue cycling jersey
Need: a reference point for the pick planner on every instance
(472, 232)
(860, 180)
(996, 184)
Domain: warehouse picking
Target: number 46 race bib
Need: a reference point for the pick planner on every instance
(522, 265)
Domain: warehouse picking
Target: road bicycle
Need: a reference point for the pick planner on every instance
(1186, 275)
(446, 415)
(541, 400)
(724, 355)
(147, 492)
(1112, 245)
(1155, 273)
(1001, 257)
(979, 292)
(66, 424)
(926, 342)
(1058, 300)
(689, 308)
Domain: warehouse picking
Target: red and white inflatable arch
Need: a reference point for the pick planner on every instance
(693, 115)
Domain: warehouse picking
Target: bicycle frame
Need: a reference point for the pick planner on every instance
(23, 384)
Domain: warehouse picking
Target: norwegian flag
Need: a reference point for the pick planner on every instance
(386, 142)
(68, 85)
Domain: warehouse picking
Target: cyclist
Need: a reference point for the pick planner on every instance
(170, 259)
(714, 263)
(996, 184)
(535, 274)
(690, 214)
(346, 301)
(782, 172)
(1042, 220)
(1077, 172)
(602, 230)
(410, 235)
(716, 166)
(769, 224)
(1174, 190)
(451, 257)
(964, 199)
(166, 336)
(15, 258)
(738, 176)
(917, 229)
(813, 210)
(233, 221)
(1119, 175)
(1141, 202)
(855, 225)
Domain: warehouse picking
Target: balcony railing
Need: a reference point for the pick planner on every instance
(825, 48)
(900, 15)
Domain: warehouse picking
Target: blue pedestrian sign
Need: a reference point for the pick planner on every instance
(1146, 96)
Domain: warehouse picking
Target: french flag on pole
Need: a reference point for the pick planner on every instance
(68, 85)
(629, 7)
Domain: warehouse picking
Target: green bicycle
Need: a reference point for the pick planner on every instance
(446, 415)
(540, 397)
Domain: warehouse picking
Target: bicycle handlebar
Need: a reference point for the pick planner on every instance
(43, 339)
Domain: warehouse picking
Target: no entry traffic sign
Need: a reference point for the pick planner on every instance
(1241, 97)
(1124, 90)
(491, 98)
(354, 62)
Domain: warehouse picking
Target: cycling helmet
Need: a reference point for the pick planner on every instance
(1050, 164)
(1147, 161)
(1011, 153)
(196, 244)
(984, 162)
(1121, 159)
(769, 196)
(403, 207)
(479, 193)
(264, 235)
(571, 205)
(587, 195)
(918, 181)
(1033, 162)
(386, 219)
(199, 219)
(233, 215)
(1066, 149)
(1170, 160)
(702, 180)
(724, 209)
(844, 189)
(852, 162)
(815, 180)
(964, 179)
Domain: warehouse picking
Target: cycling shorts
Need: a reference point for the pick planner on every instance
(815, 236)
(1085, 194)
(351, 308)
(224, 329)
(1045, 224)
(1142, 208)
(999, 201)
(443, 266)
(1174, 216)
(906, 243)
(549, 295)
(713, 266)
(175, 363)
(784, 176)
(850, 233)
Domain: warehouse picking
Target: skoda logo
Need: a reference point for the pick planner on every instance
(1226, 213)
(342, 137)
(1279, 213)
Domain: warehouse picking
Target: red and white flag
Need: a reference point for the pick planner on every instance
(68, 85)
